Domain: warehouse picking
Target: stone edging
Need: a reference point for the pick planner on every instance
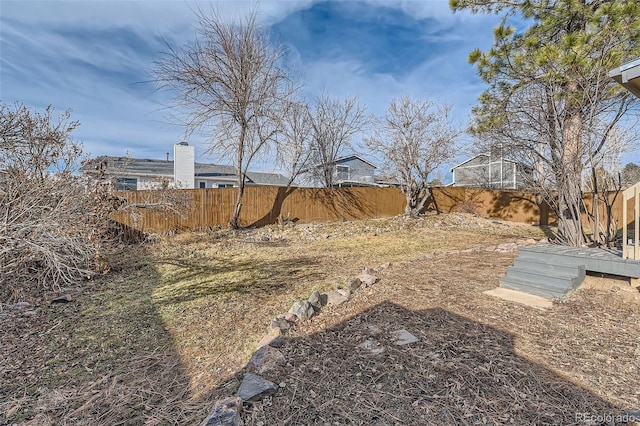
(267, 356)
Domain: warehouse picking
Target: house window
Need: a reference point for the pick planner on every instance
(202, 185)
(126, 184)
(342, 172)
(225, 185)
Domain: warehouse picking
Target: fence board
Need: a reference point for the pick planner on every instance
(263, 205)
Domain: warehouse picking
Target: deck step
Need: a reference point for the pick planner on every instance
(558, 281)
(533, 287)
(553, 267)
(546, 276)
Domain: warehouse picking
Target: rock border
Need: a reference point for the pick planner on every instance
(267, 356)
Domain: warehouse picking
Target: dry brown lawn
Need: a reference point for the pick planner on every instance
(170, 330)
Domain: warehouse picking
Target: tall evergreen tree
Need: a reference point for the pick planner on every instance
(549, 97)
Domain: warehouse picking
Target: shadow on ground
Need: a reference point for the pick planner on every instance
(196, 279)
(460, 372)
(107, 358)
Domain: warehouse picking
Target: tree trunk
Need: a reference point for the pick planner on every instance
(416, 200)
(234, 223)
(570, 231)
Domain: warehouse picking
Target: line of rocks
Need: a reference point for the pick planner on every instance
(226, 412)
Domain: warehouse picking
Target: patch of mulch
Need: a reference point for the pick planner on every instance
(480, 360)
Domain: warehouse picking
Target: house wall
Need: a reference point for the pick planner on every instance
(145, 182)
(358, 169)
(184, 165)
(214, 183)
(480, 172)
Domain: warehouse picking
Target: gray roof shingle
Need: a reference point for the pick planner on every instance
(147, 167)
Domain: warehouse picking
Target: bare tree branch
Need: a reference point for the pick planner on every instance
(334, 123)
(414, 138)
(229, 84)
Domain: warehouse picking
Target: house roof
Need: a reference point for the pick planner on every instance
(262, 178)
(137, 166)
(628, 75)
(482, 155)
(147, 167)
(347, 157)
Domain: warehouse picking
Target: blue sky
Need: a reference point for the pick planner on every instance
(94, 57)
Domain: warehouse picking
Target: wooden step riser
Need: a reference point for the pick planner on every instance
(544, 278)
(547, 268)
(527, 287)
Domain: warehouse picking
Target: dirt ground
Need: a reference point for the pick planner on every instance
(170, 330)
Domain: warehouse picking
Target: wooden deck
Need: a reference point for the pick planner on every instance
(606, 261)
(554, 271)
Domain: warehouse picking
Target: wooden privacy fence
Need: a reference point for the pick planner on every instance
(264, 205)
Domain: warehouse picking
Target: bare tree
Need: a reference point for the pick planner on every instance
(295, 144)
(334, 124)
(229, 84)
(414, 138)
(535, 126)
(53, 223)
(605, 183)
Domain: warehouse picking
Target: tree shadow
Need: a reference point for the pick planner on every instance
(459, 372)
(337, 203)
(510, 205)
(197, 279)
(112, 361)
(275, 212)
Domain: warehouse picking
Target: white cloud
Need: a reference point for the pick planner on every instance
(42, 64)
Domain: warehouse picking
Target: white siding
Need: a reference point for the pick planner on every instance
(184, 166)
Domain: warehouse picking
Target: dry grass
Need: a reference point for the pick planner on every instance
(159, 341)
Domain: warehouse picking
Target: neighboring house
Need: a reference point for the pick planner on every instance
(348, 171)
(484, 171)
(628, 75)
(139, 173)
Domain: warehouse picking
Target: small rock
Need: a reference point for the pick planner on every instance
(254, 387)
(346, 293)
(367, 278)
(403, 337)
(280, 323)
(490, 248)
(226, 412)
(21, 305)
(266, 237)
(372, 346)
(265, 359)
(290, 317)
(273, 338)
(354, 284)
(64, 298)
(335, 298)
(302, 309)
(29, 313)
(3, 315)
(543, 241)
(315, 300)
